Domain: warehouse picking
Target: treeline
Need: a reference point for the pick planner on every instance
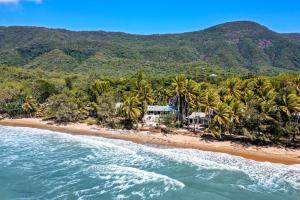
(260, 109)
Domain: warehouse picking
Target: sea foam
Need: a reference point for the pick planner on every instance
(124, 164)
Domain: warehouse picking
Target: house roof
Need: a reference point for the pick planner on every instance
(159, 108)
(196, 115)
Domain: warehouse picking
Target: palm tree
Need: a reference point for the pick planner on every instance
(265, 101)
(208, 101)
(178, 87)
(233, 87)
(267, 94)
(131, 110)
(223, 93)
(144, 95)
(297, 85)
(237, 109)
(29, 105)
(161, 95)
(97, 88)
(290, 104)
(228, 99)
(222, 115)
(267, 110)
(190, 95)
(260, 86)
(248, 97)
(139, 77)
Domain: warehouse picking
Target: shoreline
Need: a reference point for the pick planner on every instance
(262, 154)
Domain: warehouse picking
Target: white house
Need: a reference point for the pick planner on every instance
(198, 118)
(154, 113)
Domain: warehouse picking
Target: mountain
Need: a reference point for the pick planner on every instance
(234, 47)
(293, 37)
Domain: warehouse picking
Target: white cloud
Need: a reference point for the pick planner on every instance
(18, 1)
(35, 1)
(9, 1)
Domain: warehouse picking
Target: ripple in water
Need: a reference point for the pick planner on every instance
(40, 164)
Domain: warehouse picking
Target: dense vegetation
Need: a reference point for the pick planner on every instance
(257, 108)
(236, 47)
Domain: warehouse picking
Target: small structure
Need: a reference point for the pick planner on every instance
(198, 118)
(118, 105)
(158, 110)
(154, 114)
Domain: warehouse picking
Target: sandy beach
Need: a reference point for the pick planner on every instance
(263, 154)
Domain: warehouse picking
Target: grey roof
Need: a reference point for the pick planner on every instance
(159, 108)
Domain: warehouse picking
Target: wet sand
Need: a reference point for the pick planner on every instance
(263, 154)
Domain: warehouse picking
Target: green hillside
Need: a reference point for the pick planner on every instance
(54, 60)
(236, 47)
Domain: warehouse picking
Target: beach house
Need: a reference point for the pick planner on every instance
(199, 118)
(154, 114)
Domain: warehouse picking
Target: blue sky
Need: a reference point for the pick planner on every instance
(149, 16)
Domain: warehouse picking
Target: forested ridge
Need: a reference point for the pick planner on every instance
(241, 47)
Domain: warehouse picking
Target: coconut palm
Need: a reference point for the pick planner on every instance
(267, 110)
(131, 109)
(290, 104)
(296, 85)
(248, 97)
(190, 95)
(223, 93)
(97, 88)
(144, 95)
(228, 99)
(233, 87)
(208, 101)
(139, 77)
(29, 105)
(161, 95)
(267, 94)
(260, 86)
(178, 88)
(222, 114)
(237, 109)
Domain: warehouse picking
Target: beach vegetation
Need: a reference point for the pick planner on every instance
(258, 109)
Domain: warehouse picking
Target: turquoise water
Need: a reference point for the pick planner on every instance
(40, 164)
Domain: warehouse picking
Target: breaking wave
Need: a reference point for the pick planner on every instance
(67, 166)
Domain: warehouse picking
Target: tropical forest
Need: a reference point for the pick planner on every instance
(258, 109)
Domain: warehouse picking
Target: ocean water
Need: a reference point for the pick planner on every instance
(41, 164)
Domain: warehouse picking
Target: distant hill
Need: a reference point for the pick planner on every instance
(293, 37)
(234, 47)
